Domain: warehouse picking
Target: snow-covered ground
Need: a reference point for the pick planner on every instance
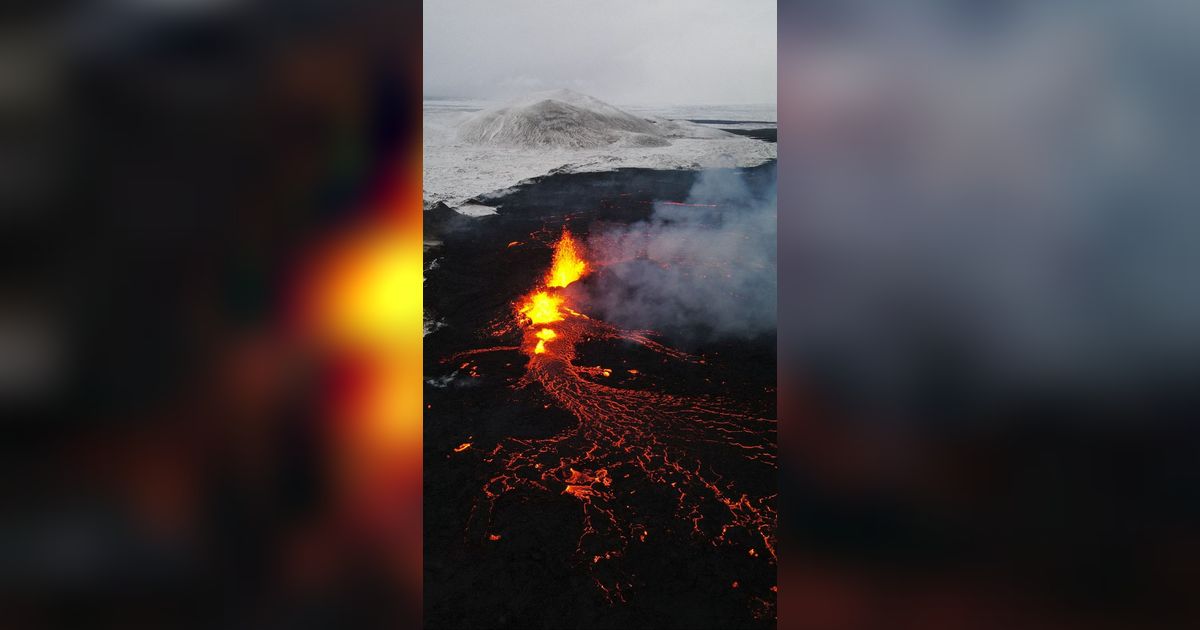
(477, 147)
(755, 113)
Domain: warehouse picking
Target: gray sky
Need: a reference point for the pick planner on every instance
(623, 51)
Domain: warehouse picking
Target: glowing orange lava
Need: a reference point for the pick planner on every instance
(628, 440)
(542, 308)
(568, 266)
(543, 336)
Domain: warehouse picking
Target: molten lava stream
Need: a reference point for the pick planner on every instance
(627, 438)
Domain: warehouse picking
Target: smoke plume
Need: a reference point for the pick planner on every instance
(703, 268)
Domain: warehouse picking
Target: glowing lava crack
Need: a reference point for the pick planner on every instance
(626, 438)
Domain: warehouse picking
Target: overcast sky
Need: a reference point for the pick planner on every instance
(623, 51)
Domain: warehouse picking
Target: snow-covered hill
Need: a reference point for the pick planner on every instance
(560, 119)
(472, 153)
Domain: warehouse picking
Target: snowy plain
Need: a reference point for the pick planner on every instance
(457, 169)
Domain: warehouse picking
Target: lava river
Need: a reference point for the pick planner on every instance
(628, 438)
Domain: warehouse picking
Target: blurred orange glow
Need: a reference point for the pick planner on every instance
(371, 295)
(362, 306)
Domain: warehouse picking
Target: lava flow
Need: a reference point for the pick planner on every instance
(633, 453)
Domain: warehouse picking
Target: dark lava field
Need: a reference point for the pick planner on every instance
(520, 560)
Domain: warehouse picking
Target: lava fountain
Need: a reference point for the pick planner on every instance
(568, 266)
(633, 453)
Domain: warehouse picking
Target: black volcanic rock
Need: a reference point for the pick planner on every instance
(440, 219)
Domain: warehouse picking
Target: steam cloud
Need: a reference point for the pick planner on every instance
(703, 270)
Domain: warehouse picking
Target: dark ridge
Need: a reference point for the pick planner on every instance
(766, 135)
(724, 121)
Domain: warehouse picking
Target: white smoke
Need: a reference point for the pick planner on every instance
(701, 268)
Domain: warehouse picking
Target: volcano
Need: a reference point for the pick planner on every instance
(580, 474)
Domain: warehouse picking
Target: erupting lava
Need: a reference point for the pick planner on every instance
(543, 335)
(567, 266)
(542, 308)
(634, 453)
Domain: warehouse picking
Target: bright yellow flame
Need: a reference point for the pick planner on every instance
(542, 308)
(543, 336)
(568, 266)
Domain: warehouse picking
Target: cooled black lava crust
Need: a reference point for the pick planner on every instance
(532, 578)
(766, 134)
